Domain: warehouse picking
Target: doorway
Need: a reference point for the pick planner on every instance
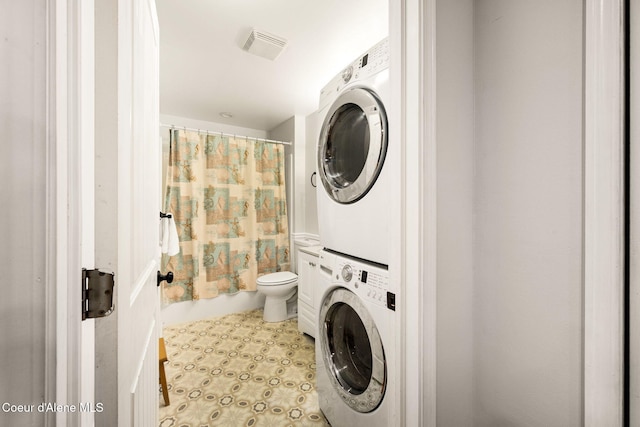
(632, 175)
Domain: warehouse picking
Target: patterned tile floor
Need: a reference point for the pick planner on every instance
(237, 371)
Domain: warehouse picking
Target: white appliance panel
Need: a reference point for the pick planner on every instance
(357, 224)
(363, 287)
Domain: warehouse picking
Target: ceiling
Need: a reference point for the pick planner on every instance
(204, 70)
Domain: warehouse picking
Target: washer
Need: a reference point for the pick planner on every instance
(353, 200)
(355, 348)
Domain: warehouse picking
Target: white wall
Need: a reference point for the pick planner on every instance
(311, 205)
(212, 126)
(528, 320)
(23, 173)
(455, 168)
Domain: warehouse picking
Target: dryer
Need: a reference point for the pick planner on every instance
(353, 207)
(355, 349)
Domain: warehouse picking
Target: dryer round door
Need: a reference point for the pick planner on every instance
(353, 144)
(352, 351)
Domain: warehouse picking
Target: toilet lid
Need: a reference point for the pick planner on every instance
(279, 278)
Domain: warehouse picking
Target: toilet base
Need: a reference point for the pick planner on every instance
(292, 307)
(281, 309)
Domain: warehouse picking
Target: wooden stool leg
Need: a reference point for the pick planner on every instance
(162, 352)
(163, 382)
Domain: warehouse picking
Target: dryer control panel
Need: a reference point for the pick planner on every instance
(372, 62)
(369, 282)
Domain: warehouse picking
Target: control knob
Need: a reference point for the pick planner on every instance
(347, 73)
(347, 273)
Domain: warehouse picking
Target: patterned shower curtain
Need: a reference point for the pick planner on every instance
(228, 199)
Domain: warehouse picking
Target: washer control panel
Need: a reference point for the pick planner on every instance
(372, 62)
(369, 282)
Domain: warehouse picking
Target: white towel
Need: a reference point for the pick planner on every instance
(169, 242)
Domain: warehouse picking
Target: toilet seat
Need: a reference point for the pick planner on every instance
(277, 279)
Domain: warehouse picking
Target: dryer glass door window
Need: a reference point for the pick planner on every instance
(344, 159)
(353, 145)
(352, 351)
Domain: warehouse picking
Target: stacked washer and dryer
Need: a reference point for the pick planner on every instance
(355, 348)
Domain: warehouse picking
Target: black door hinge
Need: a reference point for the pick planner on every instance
(97, 294)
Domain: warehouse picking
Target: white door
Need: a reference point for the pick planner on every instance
(138, 215)
(127, 209)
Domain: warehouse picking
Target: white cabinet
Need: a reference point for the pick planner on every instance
(307, 278)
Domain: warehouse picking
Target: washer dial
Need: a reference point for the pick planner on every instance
(347, 273)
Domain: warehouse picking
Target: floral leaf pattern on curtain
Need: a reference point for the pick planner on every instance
(228, 198)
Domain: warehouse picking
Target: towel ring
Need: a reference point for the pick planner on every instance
(313, 181)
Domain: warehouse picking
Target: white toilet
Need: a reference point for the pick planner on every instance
(281, 290)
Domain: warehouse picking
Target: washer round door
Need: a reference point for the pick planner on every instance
(353, 145)
(352, 351)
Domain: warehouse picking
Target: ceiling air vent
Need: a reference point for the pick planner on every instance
(264, 44)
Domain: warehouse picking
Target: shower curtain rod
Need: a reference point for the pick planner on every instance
(272, 141)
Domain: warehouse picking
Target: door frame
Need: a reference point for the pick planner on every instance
(604, 226)
(413, 227)
(634, 213)
(69, 368)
